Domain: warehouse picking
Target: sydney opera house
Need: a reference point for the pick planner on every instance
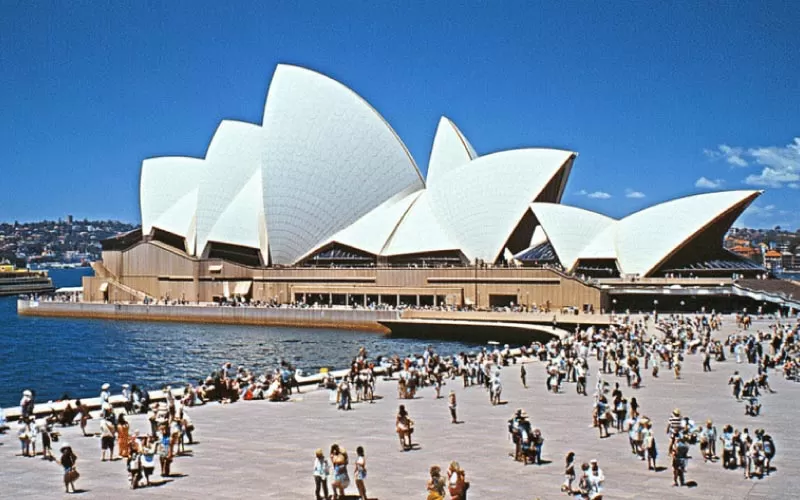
(322, 203)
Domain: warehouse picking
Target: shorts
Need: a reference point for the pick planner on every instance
(107, 442)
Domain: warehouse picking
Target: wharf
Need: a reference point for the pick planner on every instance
(335, 317)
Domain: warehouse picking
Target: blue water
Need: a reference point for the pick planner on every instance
(55, 356)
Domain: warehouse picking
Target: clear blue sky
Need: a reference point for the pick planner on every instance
(659, 100)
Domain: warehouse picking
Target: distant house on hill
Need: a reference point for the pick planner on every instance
(746, 251)
(773, 260)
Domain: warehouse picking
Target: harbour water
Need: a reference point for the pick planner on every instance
(55, 356)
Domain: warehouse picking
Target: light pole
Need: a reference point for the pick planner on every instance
(614, 307)
(655, 309)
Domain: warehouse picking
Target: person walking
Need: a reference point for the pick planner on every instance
(321, 472)
(68, 461)
(736, 382)
(680, 457)
(649, 445)
(107, 439)
(405, 427)
(436, 485)
(451, 404)
(123, 437)
(569, 474)
(523, 375)
(707, 359)
(83, 409)
(164, 451)
(360, 473)
(457, 484)
(148, 458)
(134, 462)
(340, 478)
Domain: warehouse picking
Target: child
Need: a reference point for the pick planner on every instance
(451, 403)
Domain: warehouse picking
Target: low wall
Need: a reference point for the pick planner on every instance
(567, 321)
(309, 318)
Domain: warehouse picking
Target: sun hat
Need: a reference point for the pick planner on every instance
(26, 392)
(676, 412)
(105, 386)
(593, 461)
(125, 386)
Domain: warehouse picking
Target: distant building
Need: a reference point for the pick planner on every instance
(746, 251)
(772, 260)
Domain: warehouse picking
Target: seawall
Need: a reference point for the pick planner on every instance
(308, 318)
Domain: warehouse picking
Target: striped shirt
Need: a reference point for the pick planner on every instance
(675, 424)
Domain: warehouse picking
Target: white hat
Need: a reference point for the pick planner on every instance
(64, 445)
(125, 386)
(27, 393)
(105, 387)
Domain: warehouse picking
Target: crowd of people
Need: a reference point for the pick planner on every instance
(623, 354)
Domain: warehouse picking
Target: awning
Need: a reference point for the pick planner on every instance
(242, 287)
(215, 268)
(71, 289)
(104, 287)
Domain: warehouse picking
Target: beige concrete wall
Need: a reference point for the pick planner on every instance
(316, 318)
(147, 266)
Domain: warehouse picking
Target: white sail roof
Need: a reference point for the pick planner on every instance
(420, 231)
(180, 219)
(603, 246)
(164, 181)
(242, 221)
(229, 205)
(450, 150)
(371, 232)
(646, 238)
(328, 159)
(570, 229)
(482, 202)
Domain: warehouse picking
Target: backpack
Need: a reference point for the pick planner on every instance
(769, 447)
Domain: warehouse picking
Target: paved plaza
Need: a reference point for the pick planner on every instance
(265, 450)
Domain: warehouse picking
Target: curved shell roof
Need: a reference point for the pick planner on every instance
(570, 229)
(450, 150)
(482, 202)
(328, 159)
(646, 238)
(230, 198)
(420, 231)
(371, 232)
(165, 182)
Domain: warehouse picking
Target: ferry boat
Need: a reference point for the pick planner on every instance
(15, 281)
